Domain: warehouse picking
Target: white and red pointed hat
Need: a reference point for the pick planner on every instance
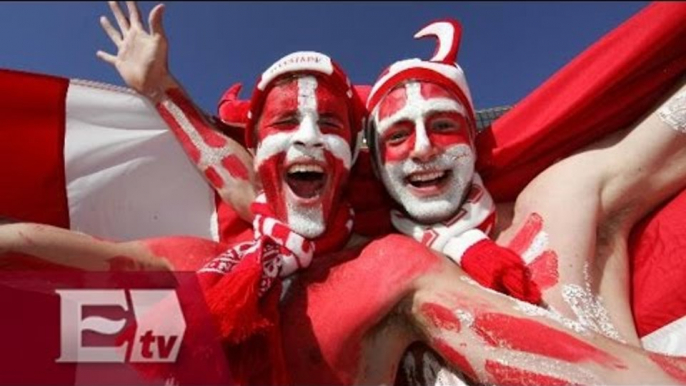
(242, 113)
(441, 69)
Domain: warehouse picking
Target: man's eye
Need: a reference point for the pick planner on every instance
(286, 122)
(331, 124)
(444, 125)
(397, 137)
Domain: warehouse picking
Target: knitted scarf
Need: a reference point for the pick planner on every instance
(242, 288)
(464, 239)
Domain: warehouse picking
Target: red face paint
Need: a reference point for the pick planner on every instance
(675, 367)
(285, 112)
(395, 100)
(523, 239)
(441, 317)
(504, 375)
(271, 174)
(527, 335)
(281, 111)
(544, 270)
(456, 359)
(416, 103)
(392, 102)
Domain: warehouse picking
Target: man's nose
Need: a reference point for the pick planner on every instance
(423, 150)
(308, 134)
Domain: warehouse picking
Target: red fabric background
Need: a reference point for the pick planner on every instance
(32, 182)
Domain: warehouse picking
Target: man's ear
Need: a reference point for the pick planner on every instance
(373, 146)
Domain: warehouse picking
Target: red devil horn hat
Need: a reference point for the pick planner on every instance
(236, 112)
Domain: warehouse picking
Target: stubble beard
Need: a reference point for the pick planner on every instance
(428, 210)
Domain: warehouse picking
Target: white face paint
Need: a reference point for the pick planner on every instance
(426, 154)
(304, 149)
(459, 160)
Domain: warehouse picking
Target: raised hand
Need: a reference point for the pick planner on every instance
(141, 57)
(142, 62)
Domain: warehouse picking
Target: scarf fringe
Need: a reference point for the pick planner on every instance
(236, 298)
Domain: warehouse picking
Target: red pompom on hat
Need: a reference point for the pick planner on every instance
(441, 69)
(241, 113)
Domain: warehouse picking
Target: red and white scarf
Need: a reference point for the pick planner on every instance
(477, 212)
(242, 287)
(464, 239)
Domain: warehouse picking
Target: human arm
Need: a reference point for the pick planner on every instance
(142, 62)
(581, 212)
(77, 250)
(494, 339)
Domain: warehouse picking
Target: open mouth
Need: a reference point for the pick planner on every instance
(306, 180)
(423, 180)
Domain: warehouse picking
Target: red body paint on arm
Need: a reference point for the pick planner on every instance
(523, 239)
(675, 367)
(544, 267)
(214, 178)
(441, 317)
(191, 150)
(235, 167)
(504, 375)
(209, 150)
(533, 337)
(544, 270)
(456, 359)
(208, 135)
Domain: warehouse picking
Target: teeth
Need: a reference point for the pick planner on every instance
(305, 168)
(426, 176)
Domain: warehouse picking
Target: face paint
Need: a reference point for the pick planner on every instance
(303, 154)
(424, 150)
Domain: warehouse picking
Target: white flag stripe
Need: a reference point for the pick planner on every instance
(127, 177)
(669, 339)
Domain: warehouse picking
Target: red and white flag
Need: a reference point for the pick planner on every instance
(96, 158)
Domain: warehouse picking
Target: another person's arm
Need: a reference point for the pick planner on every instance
(142, 62)
(495, 339)
(77, 250)
(582, 209)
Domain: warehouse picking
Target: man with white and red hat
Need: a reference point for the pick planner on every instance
(422, 138)
(423, 143)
